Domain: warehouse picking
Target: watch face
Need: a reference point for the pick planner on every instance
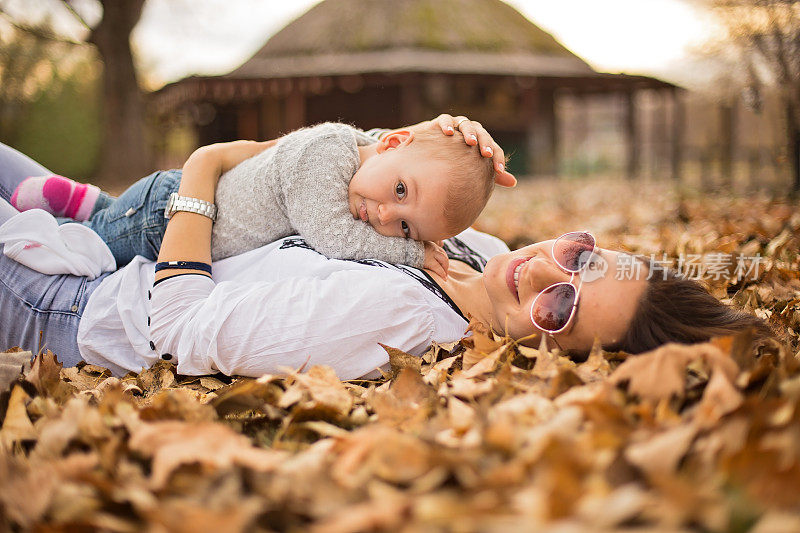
(168, 211)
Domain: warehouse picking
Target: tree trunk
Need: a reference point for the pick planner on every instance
(125, 155)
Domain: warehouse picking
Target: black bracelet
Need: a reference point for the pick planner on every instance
(190, 265)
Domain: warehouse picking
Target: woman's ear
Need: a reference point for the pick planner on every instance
(395, 139)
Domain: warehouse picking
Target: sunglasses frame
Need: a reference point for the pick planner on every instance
(570, 282)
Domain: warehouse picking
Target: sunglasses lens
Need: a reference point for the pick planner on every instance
(573, 250)
(552, 308)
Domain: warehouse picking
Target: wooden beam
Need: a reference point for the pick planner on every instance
(295, 110)
(410, 101)
(247, 121)
(631, 137)
(542, 132)
(727, 141)
(270, 121)
(678, 125)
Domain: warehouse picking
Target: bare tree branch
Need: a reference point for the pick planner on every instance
(39, 31)
(71, 9)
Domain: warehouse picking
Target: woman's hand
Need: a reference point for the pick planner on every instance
(475, 134)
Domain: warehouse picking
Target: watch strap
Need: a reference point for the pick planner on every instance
(190, 205)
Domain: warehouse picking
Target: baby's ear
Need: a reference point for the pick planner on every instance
(395, 139)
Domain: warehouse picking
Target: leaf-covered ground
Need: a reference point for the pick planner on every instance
(482, 435)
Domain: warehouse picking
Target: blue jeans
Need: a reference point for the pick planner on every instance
(38, 311)
(134, 223)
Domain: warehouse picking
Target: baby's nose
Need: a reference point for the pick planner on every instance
(385, 214)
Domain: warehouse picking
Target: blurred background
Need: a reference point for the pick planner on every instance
(698, 94)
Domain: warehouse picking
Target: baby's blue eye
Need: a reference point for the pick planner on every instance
(406, 230)
(400, 190)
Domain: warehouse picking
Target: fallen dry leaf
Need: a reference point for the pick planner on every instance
(213, 445)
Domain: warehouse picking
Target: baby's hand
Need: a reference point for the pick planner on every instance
(436, 259)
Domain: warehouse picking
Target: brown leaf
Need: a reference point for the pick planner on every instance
(399, 360)
(12, 365)
(659, 454)
(327, 394)
(383, 513)
(211, 383)
(382, 452)
(45, 375)
(17, 426)
(187, 516)
(212, 445)
(659, 375)
(178, 404)
(29, 488)
(159, 376)
(247, 394)
(408, 402)
(719, 398)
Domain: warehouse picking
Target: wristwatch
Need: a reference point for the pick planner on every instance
(177, 203)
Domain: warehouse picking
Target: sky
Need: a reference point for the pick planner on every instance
(633, 36)
(177, 38)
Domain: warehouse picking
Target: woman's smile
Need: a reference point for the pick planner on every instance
(512, 275)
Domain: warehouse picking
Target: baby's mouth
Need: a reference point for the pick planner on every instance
(362, 211)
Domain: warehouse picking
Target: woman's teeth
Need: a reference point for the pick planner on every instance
(516, 274)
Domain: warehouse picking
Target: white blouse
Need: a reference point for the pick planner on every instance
(275, 308)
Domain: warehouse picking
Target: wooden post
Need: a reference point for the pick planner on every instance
(678, 120)
(295, 110)
(727, 127)
(754, 167)
(410, 101)
(247, 121)
(658, 135)
(542, 133)
(270, 121)
(632, 140)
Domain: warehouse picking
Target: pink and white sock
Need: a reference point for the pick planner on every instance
(59, 196)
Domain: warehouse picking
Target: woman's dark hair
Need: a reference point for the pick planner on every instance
(675, 309)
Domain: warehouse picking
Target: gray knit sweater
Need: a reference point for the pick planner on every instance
(299, 186)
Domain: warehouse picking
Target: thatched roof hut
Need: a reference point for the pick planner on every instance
(338, 37)
(393, 62)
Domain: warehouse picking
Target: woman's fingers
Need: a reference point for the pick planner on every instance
(503, 177)
(469, 129)
(489, 148)
(475, 134)
(446, 123)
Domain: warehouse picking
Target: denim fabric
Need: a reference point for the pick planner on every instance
(38, 311)
(103, 201)
(134, 223)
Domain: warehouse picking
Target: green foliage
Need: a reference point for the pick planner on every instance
(62, 126)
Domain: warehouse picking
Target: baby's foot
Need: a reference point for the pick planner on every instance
(59, 196)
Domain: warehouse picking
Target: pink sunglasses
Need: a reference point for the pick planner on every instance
(554, 307)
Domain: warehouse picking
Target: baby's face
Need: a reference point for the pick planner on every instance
(401, 195)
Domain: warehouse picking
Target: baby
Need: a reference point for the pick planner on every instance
(348, 196)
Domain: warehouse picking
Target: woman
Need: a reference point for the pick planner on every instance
(285, 306)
